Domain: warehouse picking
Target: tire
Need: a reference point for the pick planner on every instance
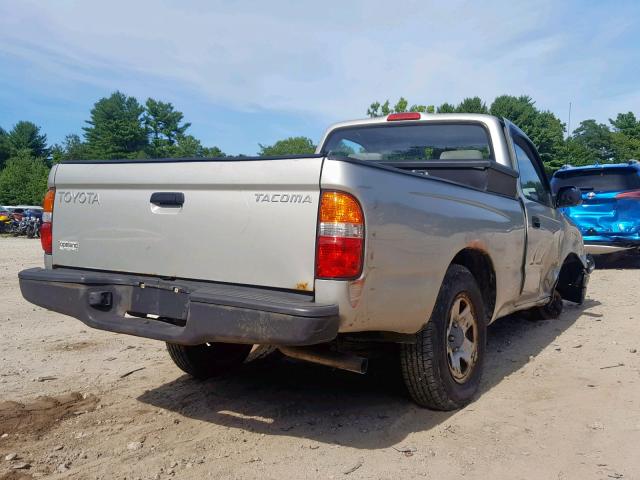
(551, 310)
(209, 359)
(428, 366)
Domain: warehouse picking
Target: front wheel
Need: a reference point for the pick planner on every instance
(209, 359)
(442, 370)
(551, 310)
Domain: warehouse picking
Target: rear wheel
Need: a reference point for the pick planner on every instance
(442, 370)
(209, 359)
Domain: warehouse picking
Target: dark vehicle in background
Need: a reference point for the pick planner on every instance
(609, 216)
(21, 220)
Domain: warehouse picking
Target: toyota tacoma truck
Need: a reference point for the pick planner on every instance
(412, 231)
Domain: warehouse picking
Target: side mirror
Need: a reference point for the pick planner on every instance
(568, 197)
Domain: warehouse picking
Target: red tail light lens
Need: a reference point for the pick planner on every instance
(340, 237)
(46, 238)
(630, 194)
(395, 117)
(46, 234)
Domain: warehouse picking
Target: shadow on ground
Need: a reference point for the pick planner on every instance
(278, 396)
(617, 261)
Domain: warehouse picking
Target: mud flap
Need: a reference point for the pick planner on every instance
(573, 281)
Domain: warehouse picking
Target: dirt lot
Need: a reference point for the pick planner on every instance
(560, 399)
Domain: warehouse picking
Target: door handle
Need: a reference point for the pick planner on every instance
(167, 199)
(535, 221)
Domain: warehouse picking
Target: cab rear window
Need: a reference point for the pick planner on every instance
(411, 143)
(598, 180)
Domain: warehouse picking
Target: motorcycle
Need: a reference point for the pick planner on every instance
(32, 229)
(21, 222)
(5, 221)
(18, 226)
(28, 224)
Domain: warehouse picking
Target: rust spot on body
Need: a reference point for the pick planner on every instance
(302, 286)
(477, 245)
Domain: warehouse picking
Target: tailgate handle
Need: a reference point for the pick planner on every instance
(168, 199)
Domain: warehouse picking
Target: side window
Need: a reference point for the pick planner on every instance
(347, 147)
(533, 187)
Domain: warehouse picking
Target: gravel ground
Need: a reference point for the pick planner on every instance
(560, 399)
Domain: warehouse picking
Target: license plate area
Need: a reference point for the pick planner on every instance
(160, 304)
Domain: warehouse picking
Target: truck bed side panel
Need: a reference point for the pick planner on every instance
(414, 228)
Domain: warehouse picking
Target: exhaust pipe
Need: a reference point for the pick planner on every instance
(322, 356)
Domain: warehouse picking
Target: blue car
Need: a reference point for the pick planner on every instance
(609, 216)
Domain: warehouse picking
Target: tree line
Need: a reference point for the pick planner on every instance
(119, 126)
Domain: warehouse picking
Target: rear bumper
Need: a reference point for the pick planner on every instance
(184, 312)
(597, 245)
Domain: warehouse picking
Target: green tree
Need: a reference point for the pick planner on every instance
(116, 129)
(187, 146)
(547, 133)
(544, 129)
(571, 152)
(627, 124)
(446, 108)
(596, 138)
(520, 110)
(288, 146)
(72, 148)
(24, 179)
(27, 135)
(374, 110)
(472, 105)
(377, 109)
(625, 147)
(165, 125)
(401, 105)
(385, 109)
(215, 152)
(5, 150)
(422, 108)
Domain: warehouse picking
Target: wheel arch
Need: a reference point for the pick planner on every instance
(571, 279)
(480, 265)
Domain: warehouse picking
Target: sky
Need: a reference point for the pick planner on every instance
(252, 72)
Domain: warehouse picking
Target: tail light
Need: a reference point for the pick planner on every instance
(46, 236)
(340, 237)
(396, 117)
(635, 194)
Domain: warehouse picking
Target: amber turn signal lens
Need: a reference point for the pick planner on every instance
(47, 203)
(340, 207)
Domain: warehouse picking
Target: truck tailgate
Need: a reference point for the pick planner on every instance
(243, 221)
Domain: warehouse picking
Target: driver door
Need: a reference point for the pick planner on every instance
(544, 225)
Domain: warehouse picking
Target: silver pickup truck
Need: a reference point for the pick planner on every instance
(414, 230)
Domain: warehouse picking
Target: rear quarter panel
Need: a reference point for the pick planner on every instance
(415, 226)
